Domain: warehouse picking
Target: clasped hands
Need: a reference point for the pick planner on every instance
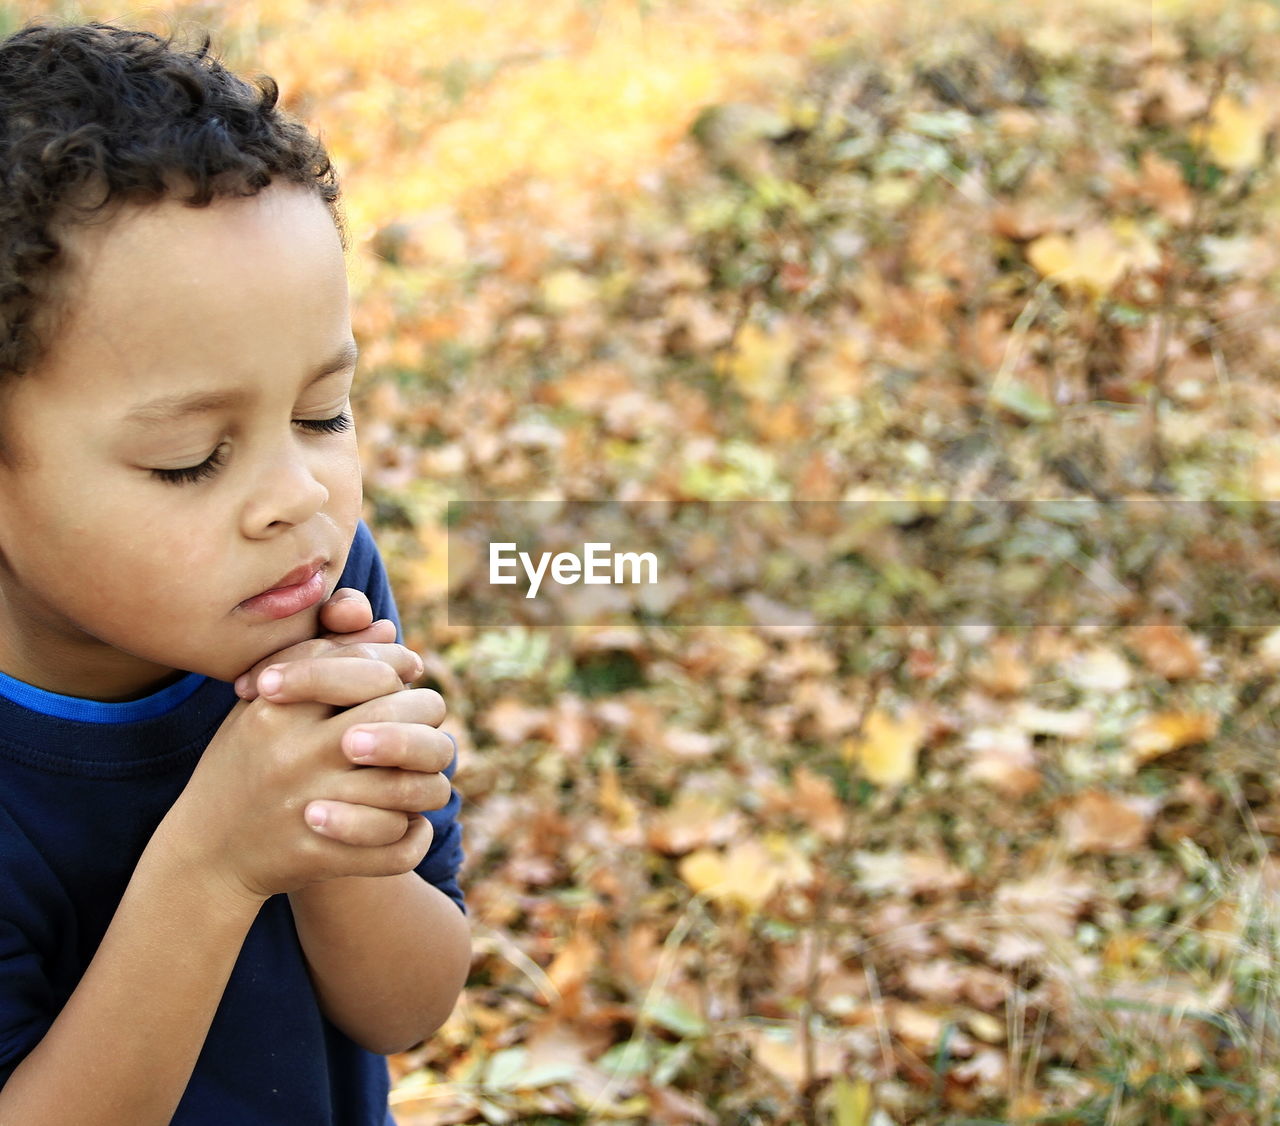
(323, 766)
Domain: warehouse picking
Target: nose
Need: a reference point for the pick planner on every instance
(286, 492)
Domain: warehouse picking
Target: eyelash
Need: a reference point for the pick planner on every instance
(190, 474)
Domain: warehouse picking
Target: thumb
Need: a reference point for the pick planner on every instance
(346, 611)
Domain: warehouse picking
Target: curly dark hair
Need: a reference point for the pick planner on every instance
(93, 116)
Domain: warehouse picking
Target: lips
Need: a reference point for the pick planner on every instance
(296, 576)
(298, 590)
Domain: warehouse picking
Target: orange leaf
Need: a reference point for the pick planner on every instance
(1157, 735)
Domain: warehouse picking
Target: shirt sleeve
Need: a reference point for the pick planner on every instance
(440, 866)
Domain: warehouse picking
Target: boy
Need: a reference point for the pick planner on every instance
(212, 911)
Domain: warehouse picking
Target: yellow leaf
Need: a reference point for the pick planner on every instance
(702, 870)
(761, 359)
(429, 577)
(565, 290)
(853, 1102)
(1092, 260)
(1157, 735)
(1235, 137)
(746, 875)
(887, 750)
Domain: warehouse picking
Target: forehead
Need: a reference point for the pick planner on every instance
(243, 281)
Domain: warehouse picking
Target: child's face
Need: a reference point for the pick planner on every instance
(166, 464)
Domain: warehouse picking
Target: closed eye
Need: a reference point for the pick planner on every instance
(189, 474)
(335, 425)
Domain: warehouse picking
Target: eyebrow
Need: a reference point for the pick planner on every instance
(171, 408)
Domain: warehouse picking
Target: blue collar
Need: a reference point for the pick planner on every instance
(98, 711)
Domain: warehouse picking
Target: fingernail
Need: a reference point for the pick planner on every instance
(317, 817)
(270, 681)
(242, 684)
(362, 744)
(419, 667)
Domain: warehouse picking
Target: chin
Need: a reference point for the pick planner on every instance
(282, 635)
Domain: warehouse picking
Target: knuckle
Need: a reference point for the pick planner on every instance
(410, 791)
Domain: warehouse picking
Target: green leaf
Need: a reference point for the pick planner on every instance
(631, 1058)
(676, 1017)
(507, 1069)
(1027, 403)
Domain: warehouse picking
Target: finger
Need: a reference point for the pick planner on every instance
(409, 746)
(392, 859)
(409, 791)
(346, 611)
(324, 680)
(414, 705)
(376, 642)
(356, 824)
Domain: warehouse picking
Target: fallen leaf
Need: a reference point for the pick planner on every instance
(1102, 670)
(1236, 132)
(1167, 649)
(814, 801)
(1092, 260)
(1156, 735)
(1097, 821)
(692, 821)
(760, 359)
(745, 875)
(1002, 670)
(887, 749)
(511, 722)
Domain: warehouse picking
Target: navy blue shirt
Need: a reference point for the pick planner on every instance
(83, 785)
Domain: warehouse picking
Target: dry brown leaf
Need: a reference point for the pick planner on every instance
(1048, 902)
(511, 721)
(693, 821)
(1169, 650)
(1002, 670)
(936, 980)
(670, 1107)
(620, 810)
(835, 712)
(1003, 758)
(1162, 185)
(814, 801)
(781, 1052)
(572, 965)
(1097, 821)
